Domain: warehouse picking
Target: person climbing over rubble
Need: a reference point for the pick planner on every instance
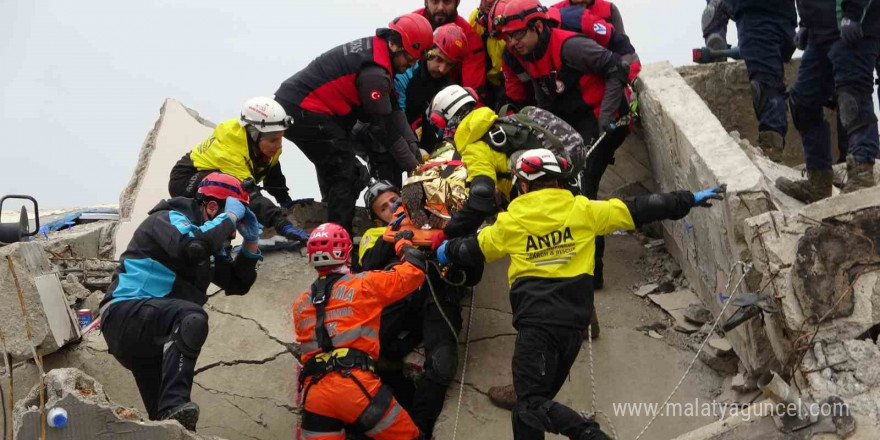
(473, 67)
(417, 86)
(248, 148)
(431, 316)
(766, 35)
(573, 77)
(152, 314)
(549, 235)
(843, 42)
(337, 324)
(481, 22)
(353, 82)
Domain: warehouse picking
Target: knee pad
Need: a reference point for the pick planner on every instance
(849, 110)
(444, 364)
(761, 95)
(482, 194)
(802, 117)
(190, 333)
(534, 412)
(715, 15)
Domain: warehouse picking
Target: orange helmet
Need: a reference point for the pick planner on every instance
(451, 41)
(416, 33)
(513, 15)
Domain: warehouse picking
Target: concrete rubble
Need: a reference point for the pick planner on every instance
(91, 414)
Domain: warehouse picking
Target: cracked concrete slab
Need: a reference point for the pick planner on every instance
(273, 380)
(243, 418)
(232, 339)
(281, 278)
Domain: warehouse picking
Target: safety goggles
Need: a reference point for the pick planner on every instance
(284, 123)
(515, 35)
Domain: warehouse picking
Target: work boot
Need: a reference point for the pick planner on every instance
(772, 143)
(187, 414)
(859, 175)
(503, 396)
(816, 187)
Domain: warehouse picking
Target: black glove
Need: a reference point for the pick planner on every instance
(606, 125)
(406, 234)
(250, 185)
(801, 37)
(850, 31)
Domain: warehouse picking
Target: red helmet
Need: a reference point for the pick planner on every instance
(416, 33)
(450, 40)
(513, 15)
(220, 186)
(329, 245)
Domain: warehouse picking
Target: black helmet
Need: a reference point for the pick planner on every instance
(375, 190)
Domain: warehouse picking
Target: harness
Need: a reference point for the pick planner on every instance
(341, 360)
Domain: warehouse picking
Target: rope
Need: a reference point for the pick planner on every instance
(467, 343)
(733, 293)
(593, 409)
(440, 306)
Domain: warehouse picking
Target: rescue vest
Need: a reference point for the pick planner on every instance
(599, 8)
(564, 90)
(328, 84)
(227, 150)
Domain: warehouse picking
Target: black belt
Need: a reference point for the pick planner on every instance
(340, 359)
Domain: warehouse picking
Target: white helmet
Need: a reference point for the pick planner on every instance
(448, 102)
(265, 114)
(533, 164)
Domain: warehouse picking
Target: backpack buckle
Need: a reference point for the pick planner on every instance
(496, 133)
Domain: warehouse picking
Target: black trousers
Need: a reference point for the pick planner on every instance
(542, 359)
(406, 323)
(327, 144)
(185, 181)
(139, 335)
(593, 170)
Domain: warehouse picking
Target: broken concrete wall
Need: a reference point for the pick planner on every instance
(91, 240)
(725, 88)
(43, 298)
(690, 149)
(821, 261)
(91, 414)
(176, 132)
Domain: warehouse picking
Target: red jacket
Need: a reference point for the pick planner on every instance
(328, 84)
(599, 8)
(555, 83)
(595, 23)
(473, 68)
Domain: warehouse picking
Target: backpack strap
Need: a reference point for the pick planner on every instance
(321, 289)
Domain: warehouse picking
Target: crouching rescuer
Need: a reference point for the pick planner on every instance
(152, 314)
(550, 236)
(337, 325)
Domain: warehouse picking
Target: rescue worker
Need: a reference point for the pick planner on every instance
(765, 31)
(418, 318)
(348, 83)
(549, 235)
(573, 77)
(473, 67)
(248, 148)
(454, 111)
(417, 86)
(842, 51)
(337, 326)
(596, 21)
(152, 315)
(481, 22)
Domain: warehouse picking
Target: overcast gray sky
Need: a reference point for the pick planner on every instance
(82, 82)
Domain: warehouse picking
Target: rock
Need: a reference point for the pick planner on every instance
(654, 334)
(698, 314)
(48, 312)
(724, 363)
(819, 354)
(91, 414)
(656, 326)
(836, 354)
(720, 344)
(645, 290)
(653, 244)
(667, 285)
(859, 350)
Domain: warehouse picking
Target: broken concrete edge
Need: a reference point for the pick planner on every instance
(129, 194)
(91, 413)
(690, 149)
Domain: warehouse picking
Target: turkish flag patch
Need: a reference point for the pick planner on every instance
(375, 95)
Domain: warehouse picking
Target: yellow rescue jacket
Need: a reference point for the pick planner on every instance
(480, 158)
(550, 237)
(369, 239)
(493, 46)
(227, 150)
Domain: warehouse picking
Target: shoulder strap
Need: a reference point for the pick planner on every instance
(321, 289)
